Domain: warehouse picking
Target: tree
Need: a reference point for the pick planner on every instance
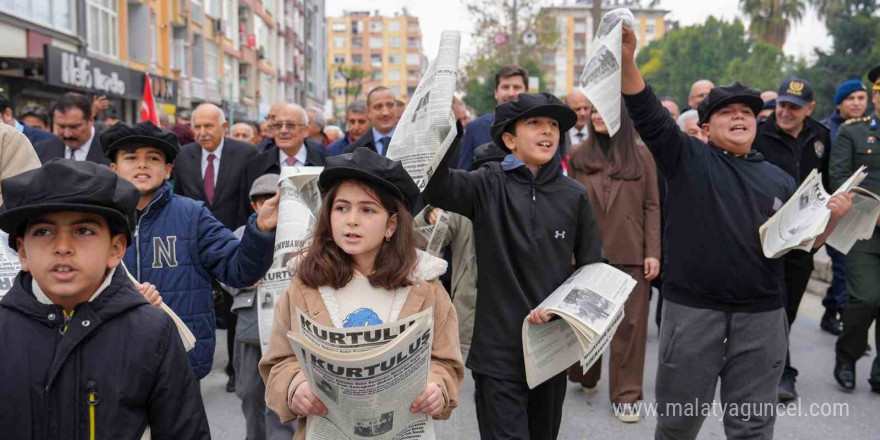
(716, 50)
(772, 19)
(510, 18)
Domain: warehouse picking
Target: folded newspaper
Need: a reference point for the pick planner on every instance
(427, 126)
(600, 81)
(367, 377)
(590, 306)
(298, 209)
(9, 264)
(805, 216)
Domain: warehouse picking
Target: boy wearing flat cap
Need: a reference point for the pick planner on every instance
(178, 244)
(84, 354)
(529, 221)
(723, 309)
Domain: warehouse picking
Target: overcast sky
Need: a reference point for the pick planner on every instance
(436, 16)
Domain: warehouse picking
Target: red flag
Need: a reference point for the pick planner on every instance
(148, 108)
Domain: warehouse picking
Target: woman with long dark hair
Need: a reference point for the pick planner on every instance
(621, 180)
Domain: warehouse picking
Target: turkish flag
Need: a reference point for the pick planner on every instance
(148, 108)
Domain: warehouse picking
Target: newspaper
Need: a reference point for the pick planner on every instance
(427, 126)
(805, 216)
(438, 233)
(367, 390)
(298, 210)
(600, 81)
(590, 304)
(859, 223)
(9, 265)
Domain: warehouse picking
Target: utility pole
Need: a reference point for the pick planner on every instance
(596, 12)
(514, 34)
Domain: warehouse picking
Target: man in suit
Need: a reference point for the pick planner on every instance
(32, 134)
(382, 111)
(579, 133)
(510, 81)
(269, 136)
(357, 123)
(211, 169)
(75, 135)
(289, 147)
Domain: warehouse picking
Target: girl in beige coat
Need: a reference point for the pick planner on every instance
(362, 268)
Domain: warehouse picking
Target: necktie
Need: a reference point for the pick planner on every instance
(290, 161)
(71, 156)
(579, 135)
(209, 179)
(384, 142)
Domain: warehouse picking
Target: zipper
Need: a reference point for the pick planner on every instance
(92, 393)
(137, 240)
(534, 204)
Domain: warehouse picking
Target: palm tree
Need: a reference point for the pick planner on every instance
(772, 19)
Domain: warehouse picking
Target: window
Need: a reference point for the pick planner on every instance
(580, 44)
(154, 56)
(413, 75)
(337, 76)
(376, 26)
(580, 26)
(230, 77)
(376, 60)
(394, 58)
(357, 59)
(198, 54)
(230, 18)
(394, 42)
(339, 92)
(339, 59)
(178, 50)
(338, 26)
(55, 14)
(197, 12)
(393, 26)
(338, 42)
(580, 60)
(375, 42)
(211, 61)
(411, 90)
(357, 43)
(102, 27)
(412, 43)
(393, 75)
(413, 59)
(357, 27)
(649, 30)
(377, 75)
(212, 8)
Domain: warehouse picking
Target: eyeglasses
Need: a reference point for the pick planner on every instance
(288, 125)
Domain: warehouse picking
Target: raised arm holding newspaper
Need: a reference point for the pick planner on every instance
(724, 317)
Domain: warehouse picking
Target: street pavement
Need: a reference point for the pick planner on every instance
(591, 416)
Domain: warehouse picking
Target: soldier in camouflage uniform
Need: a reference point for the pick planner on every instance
(857, 144)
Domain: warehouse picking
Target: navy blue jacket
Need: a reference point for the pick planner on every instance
(833, 123)
(715, 203)
(338, 146)
(527, 229)
(180, 247)
(476, 133)
(35, 134)
(125, 351)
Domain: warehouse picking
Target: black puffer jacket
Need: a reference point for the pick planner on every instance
(121, 363)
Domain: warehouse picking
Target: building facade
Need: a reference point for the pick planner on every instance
(239, 54)
(387, 50)
(574, 22)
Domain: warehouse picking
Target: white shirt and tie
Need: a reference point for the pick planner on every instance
(81, 153)
(298, 159)
(577, 136)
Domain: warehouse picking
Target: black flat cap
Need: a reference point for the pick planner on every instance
(726, 95)
(527, 105)
(366, 164)
(488, 152)
(67, 185)
(143, 134)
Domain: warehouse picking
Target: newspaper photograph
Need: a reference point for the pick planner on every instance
(859, 223)
(271, 287)
(438, 234)
(368, 394)
(319, 428)
(804, 216)
(600, 81)
(427, 127)
(298, 208)
(590, 306)
(9, 264)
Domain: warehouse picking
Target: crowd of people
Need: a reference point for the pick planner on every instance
(111, 220)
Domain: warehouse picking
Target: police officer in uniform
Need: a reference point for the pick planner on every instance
(857, 144)
(795, 142)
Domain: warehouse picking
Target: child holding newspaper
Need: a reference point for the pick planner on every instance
(362, 268)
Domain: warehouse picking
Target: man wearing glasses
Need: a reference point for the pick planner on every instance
(289, 149)
(75, 136)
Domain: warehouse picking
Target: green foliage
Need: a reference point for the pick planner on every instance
(716, 50)
(772, 19)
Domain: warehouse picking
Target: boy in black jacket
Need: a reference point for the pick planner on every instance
(85, 355)
(529, 221)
